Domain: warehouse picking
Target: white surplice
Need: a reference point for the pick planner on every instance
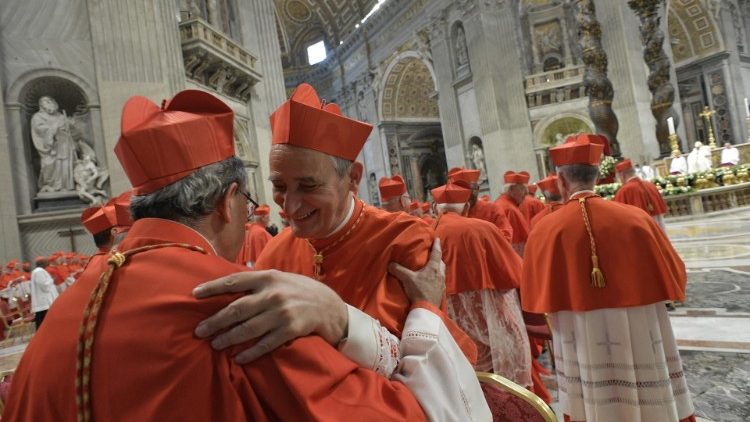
(619, 364)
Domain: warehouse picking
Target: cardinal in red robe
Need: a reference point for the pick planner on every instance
(639, 193)
(256, 237)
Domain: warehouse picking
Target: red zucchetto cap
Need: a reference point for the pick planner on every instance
(159, 146)
(623, 165)
(464, 175)
(262, 209)
(549, 184)
(98, 219)
(425, 207)
(584, 148)
(451, 194)
(391, 188)
(512, 177)
(304, 121)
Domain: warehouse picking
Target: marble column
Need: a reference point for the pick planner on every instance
(416, 178)
(629, 77)
(729, 22)
(499, 87)
(137, 52)
(10, 239)
(259, 36)
(450, 119)
(598, 86)
(662, 91)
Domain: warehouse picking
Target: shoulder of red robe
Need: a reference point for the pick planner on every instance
(159, 146)
(304, 121)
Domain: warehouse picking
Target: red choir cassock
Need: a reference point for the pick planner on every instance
(597, 267)
(530, 207)
(640, 193)
(426, 216)
(353, 261)
(256, 238)
(483, 210)
(548, 185)
(142, 360)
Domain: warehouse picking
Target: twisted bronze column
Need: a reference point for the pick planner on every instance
(598, 87)
(662, 92)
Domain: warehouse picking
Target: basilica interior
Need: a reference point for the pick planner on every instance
(489, 85)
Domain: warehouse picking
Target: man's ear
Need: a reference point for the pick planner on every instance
(355, 176)
(225, 204)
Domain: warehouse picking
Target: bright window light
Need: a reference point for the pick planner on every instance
(316, 53)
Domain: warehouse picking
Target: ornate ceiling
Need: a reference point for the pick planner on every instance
(303, 22)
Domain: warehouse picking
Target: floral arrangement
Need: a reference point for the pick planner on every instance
(607, 191)
(607, 167)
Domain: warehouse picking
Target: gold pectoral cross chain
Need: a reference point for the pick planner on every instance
(318, 257)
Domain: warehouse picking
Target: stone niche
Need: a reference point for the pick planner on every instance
(61, 167)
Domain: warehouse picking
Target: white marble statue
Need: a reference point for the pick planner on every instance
(462, 52)
(699, 158)
(52, 134)
(477, 158)
(90, 180)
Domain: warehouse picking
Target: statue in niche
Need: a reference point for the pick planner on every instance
(90, 179)
(549, 39)
(54, 136)
(477, 159)
(462, 51)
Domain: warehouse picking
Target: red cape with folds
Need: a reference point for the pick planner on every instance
(476, 256)
(491, 212)
(642, 194)
(638, 261)
(515, 217)
(549, 208)
(256, 238)
(357, 267)
(530, 207)
(148, 364)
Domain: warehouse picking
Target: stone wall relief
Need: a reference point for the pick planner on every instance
(549, 45)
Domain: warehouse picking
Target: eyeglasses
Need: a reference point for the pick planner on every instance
(249, 199)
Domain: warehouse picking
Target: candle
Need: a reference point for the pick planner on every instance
(670, 123)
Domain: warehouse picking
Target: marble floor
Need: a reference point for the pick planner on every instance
(712, 327)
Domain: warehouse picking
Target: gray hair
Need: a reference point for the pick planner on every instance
(580, 173)
(193, 197)
(341, 165)
(457, 208)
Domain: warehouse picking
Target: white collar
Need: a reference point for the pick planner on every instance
(581, 191)
(346, 219)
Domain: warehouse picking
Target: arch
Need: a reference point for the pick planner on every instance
(693, 31)
(17, 87)
(564, 123)
(407, 87)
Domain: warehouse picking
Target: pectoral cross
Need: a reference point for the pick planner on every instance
(318, 260)
(608, 343)
(707, 113)
(72, 235)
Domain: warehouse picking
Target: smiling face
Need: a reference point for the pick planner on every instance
(307, 188)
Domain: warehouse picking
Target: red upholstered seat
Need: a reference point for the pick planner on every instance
(510, 402)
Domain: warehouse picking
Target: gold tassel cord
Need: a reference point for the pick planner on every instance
(597, 276)
(88, 325)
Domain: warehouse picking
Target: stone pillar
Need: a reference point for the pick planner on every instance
(662, 91)
(499, 87)
(259, 36)
(10, 239)
(450, 120)
(632, 100)
(598, 86)
(137, 52)
(730, 24)
(416, 178)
